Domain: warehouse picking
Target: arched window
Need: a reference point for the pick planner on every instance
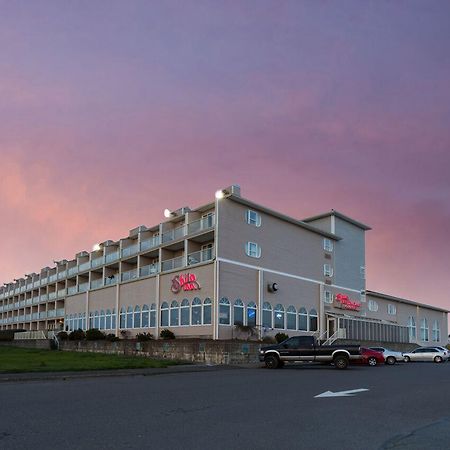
(196, 311)
(164, 314)
(130, 317)
(291, 318)
(313, 320)
(251, 314)
(137, 317)
(113, 319)
(238, 312)
(267, 315)
(184, 312)
(69, 322)
(424, 329)
(102, 320)
(174, 314)
(108, 319)
(436, 331)
(224, 311)
(80, 321)
(145, 316)
(96, 320)
(207, 311)
(302, 319)
(412, 328)
(153, 315)
(278, 317)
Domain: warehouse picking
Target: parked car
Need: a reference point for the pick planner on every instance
(445, 350)
(390, 356)
(426, 354)
(370, 357)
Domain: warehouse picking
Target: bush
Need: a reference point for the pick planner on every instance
(111, 337)
(8, 335)
(94, 334)
(268, 340)
(63, 336)
(166, 334)
(280, 337)
(77, 335)
(142, 337)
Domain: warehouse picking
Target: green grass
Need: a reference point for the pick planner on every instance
(14, 360)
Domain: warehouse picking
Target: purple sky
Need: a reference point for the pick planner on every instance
(112, 111)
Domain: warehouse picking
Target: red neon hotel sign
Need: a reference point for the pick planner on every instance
(187, 282)
(344, 302)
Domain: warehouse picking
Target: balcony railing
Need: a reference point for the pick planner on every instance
(109, 281)
(148, 270)
(129, 275)
(171, 264)
(128, 251)
(96, 283)
(52, 278)
(83, 267)
(52, 296)
(174, 234)
(83, 287)
(112, 257)
(51, 313)
(205, 223)
(61, 293)
(43, 315)
(72, 271)
(150, 243)
(62, 274)
(97, 262)
(71, 290)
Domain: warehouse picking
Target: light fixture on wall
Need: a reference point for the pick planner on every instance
(272, 287)
(220, 194)
(96, 247)
(168, 213)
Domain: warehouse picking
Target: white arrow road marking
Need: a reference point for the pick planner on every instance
(340, 394)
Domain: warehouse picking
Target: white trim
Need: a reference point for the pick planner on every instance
(333, 224)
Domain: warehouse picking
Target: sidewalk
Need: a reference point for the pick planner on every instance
(187, 368)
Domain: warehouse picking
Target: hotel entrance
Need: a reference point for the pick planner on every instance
(331, 326)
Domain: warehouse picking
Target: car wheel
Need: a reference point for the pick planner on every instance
(390, 360)
(407, 359)
(372, 361)
(340, 362)
(271, 362)
(438, 359)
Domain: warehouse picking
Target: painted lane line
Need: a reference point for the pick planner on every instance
(341, 393)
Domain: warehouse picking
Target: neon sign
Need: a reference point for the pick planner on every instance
(187, 282)
(344, 302)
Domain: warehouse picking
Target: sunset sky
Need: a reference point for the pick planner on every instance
(111, 111)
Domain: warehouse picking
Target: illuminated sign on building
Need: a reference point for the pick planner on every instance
(343, 301)
(187, 282)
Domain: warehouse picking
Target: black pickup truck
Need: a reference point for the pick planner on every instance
(307, 349)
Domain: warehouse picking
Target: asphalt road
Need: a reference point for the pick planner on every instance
(406, 407)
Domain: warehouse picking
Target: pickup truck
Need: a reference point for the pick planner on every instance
(307, 349)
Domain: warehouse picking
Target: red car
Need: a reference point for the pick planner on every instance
(370, 357)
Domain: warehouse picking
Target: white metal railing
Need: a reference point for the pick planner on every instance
(129, 275)
(205, 223)
(200, 256)
(30, 335)
(148, 270)
(171, 264)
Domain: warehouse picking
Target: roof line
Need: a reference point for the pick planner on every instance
(335, 213)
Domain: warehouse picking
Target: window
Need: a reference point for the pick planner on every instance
(267, 315)
(96, 320)
(327, 270)
(238, 312)
(196, 311)
(302, 319)
(208, 220)
(412, 328)
(207, 312)
(184, 312)
(424, 330)
(253, 218)
(165, 314)
(137, 317)
(253, 250)
(113, 319)
(174, 314)
(392, 309)
(251, 314)
(327, 245)
(313, 320)
(291, 318)
(153, 315)
(372, 305)
(145, 316)
(224, 311)
(207, 252)
(436, 332)
(108, 319)
(278, 317)
(102, 319)
(328, 297)
(130, 317)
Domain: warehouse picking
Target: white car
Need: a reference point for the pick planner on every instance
(390, 356)
(426, 354)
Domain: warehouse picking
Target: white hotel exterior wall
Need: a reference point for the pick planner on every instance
(292, 255)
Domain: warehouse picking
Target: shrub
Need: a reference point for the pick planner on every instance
(166, 334)
(124, 334)
(268, 340)
(77, 335)
(8, 335)
(94, 334)
(280, 337)
(141, 337)
(111, 337)
(63, 335)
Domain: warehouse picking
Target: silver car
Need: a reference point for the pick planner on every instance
(390, 356)
(426, 354)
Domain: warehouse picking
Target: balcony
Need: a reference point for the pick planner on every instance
(35, 316)
(132, 250)
(29, 301)
(129, 275)
(43, 315)
(109, 281)
(150, 243)
(97, 262)
(148, 270)
(44, 281)
(52, 296)
(51, 313)
(61, 293)
(60, 312)
(83, 287)
(112, 257)
(72, 271)
(173, 235)
(95, 284)
(52, 278)
(83, 267)
(71, 290)
(35, 300)
(62, 274)
(205, 223)
(171, 264)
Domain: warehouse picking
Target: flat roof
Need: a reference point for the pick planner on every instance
(404, 300)
(335, 213)
(289, 219)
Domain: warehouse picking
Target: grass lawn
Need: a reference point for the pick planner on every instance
(13, 360)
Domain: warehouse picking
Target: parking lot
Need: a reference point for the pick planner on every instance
(401, 406)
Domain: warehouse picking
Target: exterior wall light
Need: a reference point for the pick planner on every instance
(272, 287)
(96, 247)
(167, 213)
(220, 194)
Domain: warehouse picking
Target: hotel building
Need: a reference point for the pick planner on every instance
(221, 271)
